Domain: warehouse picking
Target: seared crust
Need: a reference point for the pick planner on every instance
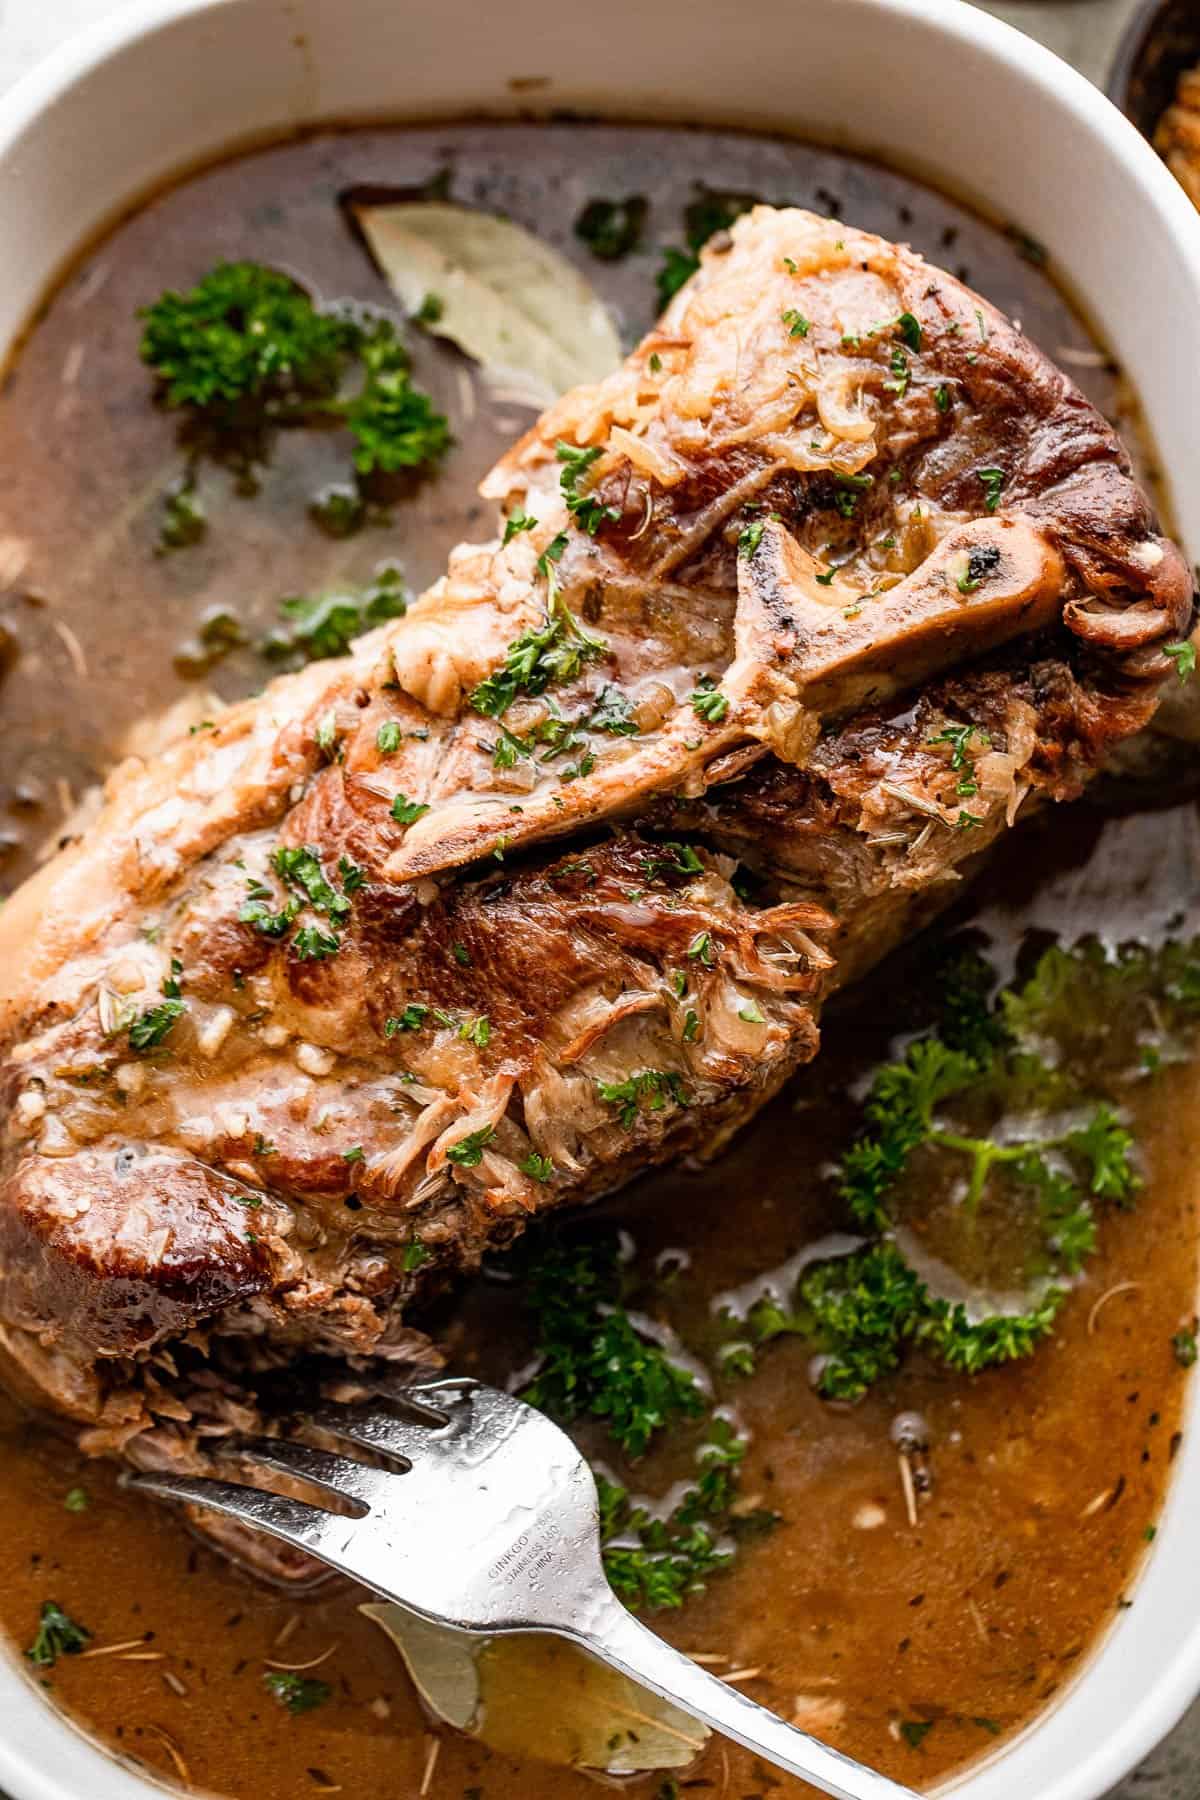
(454, 1020)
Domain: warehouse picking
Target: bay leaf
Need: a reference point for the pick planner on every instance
(540, 1697)
(510, 301)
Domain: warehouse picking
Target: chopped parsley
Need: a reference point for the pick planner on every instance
(849, 489)
(300, 868)
(797, 324)
(244, 334)
(588, 512)
(326, 625)
(543, 656)
(1183, 655)
(982, 561)
(708, 702)
(387, 738)
(659, 1563)
(297, 1693)
(1185, 1347)
(681, 860)
(537, 1167)
(711, 210)
(152, 1026)
(312, 944)
(411, 1019)
(596, 1363)
(257, 911)
(554, 736)
(184, 519)
(516, 523)
(678, 267)
(57, 1635)
(961, 759)
(992, 481)
(467, 1153)
(652, 1088)
(899, 366)
(909, 327)
(612, 228)
(406, 811)
(414, 1255)
(750, 537)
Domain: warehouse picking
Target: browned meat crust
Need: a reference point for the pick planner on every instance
(402, 1016)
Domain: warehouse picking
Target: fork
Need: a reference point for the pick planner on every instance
(487, 1519)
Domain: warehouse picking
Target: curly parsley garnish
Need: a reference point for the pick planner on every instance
(593, 1359)
(246, 350)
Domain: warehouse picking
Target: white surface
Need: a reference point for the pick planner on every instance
(925, 81)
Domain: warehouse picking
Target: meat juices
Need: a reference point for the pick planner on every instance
(835, 490)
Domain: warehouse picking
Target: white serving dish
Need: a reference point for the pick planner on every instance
(932, 85)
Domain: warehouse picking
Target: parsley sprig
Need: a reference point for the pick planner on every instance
(1000, 1103)
(592, 1357)
(247, 349)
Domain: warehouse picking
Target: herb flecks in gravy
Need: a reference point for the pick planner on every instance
(911, 1627)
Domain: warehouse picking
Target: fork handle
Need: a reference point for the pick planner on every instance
(629, 1646)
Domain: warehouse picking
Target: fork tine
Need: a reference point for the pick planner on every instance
(323, 1468)
(376, 1429)
(306, 1527)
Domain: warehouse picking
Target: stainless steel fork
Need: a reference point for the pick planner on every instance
(487, 1518)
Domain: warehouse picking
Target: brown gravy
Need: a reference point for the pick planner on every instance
(847, 1614)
